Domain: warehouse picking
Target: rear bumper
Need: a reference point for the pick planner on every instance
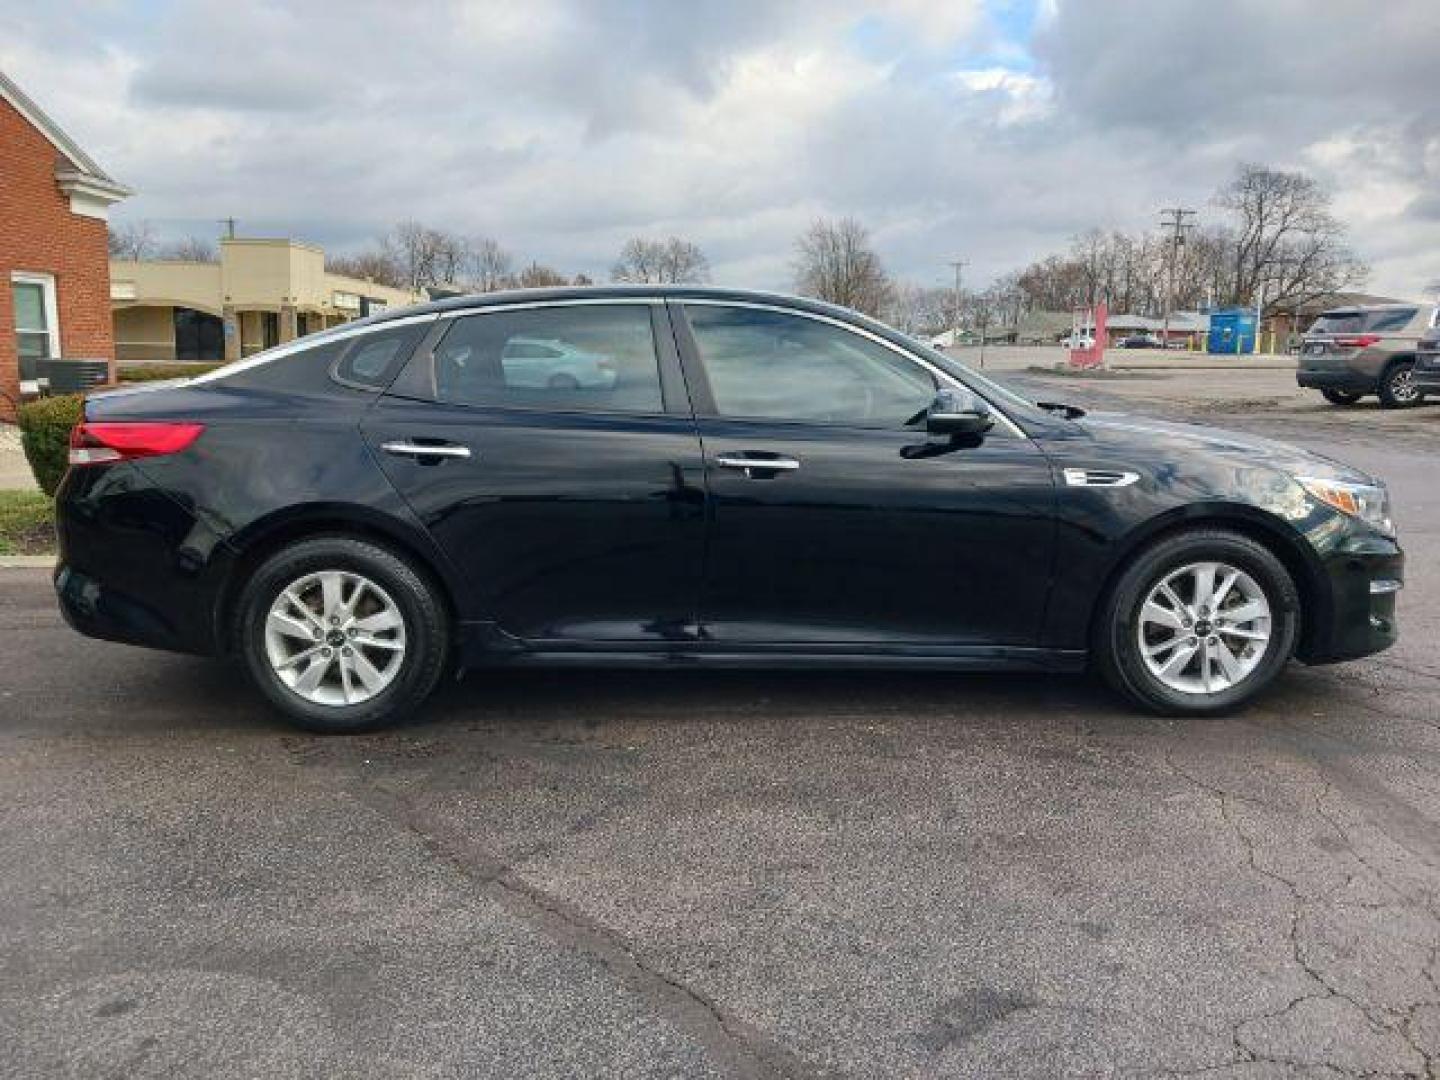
(135, 565)
(1350, 381)
(1364, 586)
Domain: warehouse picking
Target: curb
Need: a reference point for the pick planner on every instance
(27, 562)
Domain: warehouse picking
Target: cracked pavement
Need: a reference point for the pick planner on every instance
(731, 873)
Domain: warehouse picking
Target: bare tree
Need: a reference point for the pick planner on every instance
(487, 265)
(916, 309)
(1288, 247)
(374, 265)
(135, 240)
(536, 276)
(425, 256)
(834, 262)
(661, 262)
(195, 249)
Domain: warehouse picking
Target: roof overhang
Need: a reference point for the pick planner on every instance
(90, 196)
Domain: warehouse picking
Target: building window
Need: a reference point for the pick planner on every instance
(37, 324)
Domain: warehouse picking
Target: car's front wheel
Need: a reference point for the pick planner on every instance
(342, 635)
(1199, 623)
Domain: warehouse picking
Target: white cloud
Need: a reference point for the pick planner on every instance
(563, 126)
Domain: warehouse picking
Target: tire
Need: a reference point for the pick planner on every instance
(1397, 387)
(397, 611)
(563, 382)
(1341, 397)
(1123, 622)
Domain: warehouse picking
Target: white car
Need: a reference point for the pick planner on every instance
(1078, 341)
(557, 365)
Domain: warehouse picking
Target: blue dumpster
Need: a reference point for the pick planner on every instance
(1232, 330)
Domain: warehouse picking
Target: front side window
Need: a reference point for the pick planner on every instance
(37, 337)
(770, 365)
(581, 356)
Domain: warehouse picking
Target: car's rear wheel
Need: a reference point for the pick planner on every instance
(1397, 386)
(1341, 397)
(1199, 623)
(342, 635)
(564, 382)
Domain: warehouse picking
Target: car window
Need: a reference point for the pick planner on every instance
(594, 356)
(771, 365)
(374, 359)
(1337, 322)
(1382, 321)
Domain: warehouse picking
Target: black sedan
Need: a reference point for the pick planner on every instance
(747, 479)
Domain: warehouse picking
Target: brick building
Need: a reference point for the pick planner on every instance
(54, 257)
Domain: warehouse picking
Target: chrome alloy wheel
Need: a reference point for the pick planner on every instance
(1204, 628)
(1403, 388)
(335, 638)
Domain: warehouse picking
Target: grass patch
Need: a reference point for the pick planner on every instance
(137, 373)
(27, 523)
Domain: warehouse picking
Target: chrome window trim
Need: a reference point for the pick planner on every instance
(943, 376)
(309, 341)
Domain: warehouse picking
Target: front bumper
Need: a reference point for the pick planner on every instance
(1363, 586)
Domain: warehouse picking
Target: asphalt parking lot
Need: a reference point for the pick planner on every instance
(738, 874)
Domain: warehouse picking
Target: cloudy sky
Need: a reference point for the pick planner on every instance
(989, 130)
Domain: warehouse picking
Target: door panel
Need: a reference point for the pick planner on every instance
(579, 522)
(866, 542)
(834, 519)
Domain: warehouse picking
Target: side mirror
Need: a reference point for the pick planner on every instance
(958, 412)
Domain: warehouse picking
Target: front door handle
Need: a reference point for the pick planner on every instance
(424, 450)
(757, 466)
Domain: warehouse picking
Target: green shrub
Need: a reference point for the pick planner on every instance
(45, 434)
(133, 373)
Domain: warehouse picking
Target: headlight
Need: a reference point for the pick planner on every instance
(1368, 502)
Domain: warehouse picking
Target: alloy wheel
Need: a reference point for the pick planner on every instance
(335, 638)
(1402, 387)
(1204, 628)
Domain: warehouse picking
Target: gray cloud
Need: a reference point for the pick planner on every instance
(563, 126)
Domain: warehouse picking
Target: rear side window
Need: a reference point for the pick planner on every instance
(366, 361)
(578, 357)
(373, 360)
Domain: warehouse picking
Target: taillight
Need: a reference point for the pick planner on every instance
(1356, 341)
(101, 444)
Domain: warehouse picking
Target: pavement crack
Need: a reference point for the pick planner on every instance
(740, 1049)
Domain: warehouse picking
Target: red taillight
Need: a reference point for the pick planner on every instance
(1356, 341)
(101, 444)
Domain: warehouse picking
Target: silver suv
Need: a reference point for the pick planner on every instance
(1353, 351)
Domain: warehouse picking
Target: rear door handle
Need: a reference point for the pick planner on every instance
(423, 450)
(755, 463)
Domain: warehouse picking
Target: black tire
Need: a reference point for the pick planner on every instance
(1115, 640)
(1397, 390)
(563, 382)
(1341, 397)
(426, 630)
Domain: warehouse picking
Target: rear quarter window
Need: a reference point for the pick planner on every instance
(1381, 322)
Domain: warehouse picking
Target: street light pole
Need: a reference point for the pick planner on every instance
(1173, 218)
(959, 265)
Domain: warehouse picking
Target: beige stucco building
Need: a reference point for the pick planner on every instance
(260, 293)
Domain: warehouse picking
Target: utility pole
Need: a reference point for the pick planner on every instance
(959, 265)
(229, 223)
(1175, 219)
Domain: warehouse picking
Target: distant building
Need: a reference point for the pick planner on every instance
(54, 271)
(261, 293)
